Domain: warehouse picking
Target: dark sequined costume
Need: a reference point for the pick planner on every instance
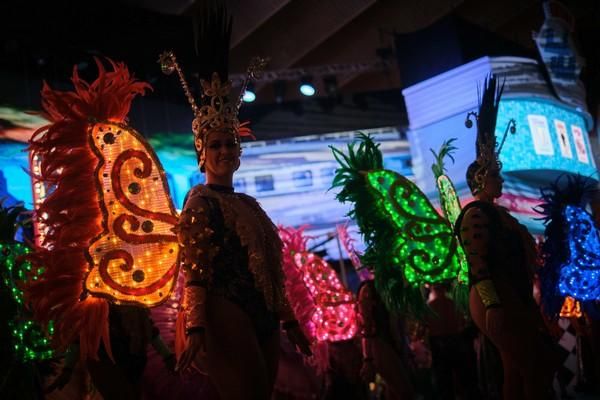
(223, 246)
(510, 254)
(501, 255)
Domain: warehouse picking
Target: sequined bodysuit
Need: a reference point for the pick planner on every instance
(231, 248)
(507, 250)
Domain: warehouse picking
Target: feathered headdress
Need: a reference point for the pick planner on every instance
(216, 110)
(486, 146)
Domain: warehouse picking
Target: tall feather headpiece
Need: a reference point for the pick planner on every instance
(486, 146)
(215, 111)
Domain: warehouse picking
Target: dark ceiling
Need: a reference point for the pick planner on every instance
(43, 40)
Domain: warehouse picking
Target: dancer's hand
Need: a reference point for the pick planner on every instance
(195, 344)
(367, 371)
(297, 337)
(494, 321)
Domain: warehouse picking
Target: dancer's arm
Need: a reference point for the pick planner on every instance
(197, 253)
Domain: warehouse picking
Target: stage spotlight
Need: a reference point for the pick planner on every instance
(249, 95)
(279, 91)
(306, 87)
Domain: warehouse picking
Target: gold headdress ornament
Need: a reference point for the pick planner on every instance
(215, 112)
(487, 148)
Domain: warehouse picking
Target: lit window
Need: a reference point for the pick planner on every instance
(264, 183)
(302, 178)
(327, 172)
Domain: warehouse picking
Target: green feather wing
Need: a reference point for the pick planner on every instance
(450, 204)
(449, 200)
(425, 244)
(448, 197)
(408, 242)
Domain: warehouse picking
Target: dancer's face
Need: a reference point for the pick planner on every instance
(222, 157)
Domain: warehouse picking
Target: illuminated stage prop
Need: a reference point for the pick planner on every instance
(134, 260)
(408, 242)
(580, 274)
(106, 217)
(324, 307)
(29, 342)
(571, 308)
(570, 274)
(449, 199)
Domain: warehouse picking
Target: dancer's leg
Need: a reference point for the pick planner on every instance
(234, 360)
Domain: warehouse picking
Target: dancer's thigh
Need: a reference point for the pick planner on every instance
(234, 360)
(524, 350)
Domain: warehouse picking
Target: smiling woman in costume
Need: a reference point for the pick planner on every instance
(231, 251)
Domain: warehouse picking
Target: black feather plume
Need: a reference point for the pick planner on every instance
(212, 38)
(489, 101)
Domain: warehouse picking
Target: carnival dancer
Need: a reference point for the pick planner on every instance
(231, 251)
(501, 255)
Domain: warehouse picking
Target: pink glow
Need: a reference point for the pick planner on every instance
(323, 306)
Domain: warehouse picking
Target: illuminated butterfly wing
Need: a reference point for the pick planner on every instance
(106, 222)
(448, 198)
(450, 202)
(134, 260)
(335, 316)
(408, 242)
(324, 307)
(447, 193)
(570, 252)
(580, 275)
(29, 342)
(24, 345)
(425, 244)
